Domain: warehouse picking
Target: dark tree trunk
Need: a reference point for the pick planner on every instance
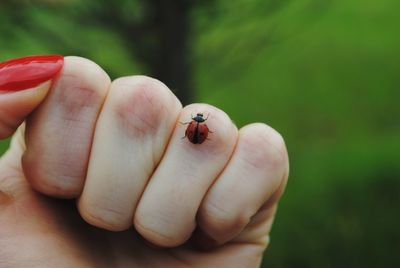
(160, 41)
(170, 62)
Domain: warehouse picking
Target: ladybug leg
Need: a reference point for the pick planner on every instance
(184, 136)
(184, 123)
(209, 131)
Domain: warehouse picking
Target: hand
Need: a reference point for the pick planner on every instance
(118, 149)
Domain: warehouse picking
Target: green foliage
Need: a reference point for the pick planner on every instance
(323, 73)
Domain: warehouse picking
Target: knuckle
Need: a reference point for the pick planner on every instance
(156, 236)
(263, 145)
(43, 181)
(90, 74)
(215, 219)
(50, 188)
(141, 104)
(86, 85)
(103, 217)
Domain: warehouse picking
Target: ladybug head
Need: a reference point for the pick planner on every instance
(199, 118)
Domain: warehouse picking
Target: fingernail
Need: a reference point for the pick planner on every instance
(28, 72)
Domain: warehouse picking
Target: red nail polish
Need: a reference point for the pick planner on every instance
(28, 72)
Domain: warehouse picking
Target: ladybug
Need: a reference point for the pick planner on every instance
(197, 131)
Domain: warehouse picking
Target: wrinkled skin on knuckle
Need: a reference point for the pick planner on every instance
(78, 100)
(142, 105)
(155, 236)
(102, 216)
(219, 223)
(87, 85)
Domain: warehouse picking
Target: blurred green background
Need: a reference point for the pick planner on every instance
(324, 73)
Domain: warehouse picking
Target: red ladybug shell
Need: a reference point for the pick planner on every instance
(196, 132)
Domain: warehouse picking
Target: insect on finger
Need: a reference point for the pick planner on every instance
(197, 131)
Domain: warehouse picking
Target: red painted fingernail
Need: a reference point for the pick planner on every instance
(28, 72)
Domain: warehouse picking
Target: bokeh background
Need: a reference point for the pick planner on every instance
(324, 73)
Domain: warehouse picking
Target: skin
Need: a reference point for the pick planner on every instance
(99, 176)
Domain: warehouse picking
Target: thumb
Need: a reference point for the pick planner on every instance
(24, 83)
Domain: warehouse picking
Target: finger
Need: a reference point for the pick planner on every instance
(12, 184)
(59, 133)
(24, 83)
(132, 132)
(256, 175)
(166, 212)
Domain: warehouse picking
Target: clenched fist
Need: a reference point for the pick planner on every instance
(145, 195)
